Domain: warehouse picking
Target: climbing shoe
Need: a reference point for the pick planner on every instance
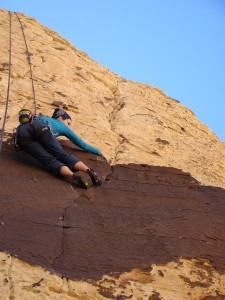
(94, 177)
(79, 181)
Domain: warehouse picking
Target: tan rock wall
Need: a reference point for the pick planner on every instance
(129, 122)
(184, 279)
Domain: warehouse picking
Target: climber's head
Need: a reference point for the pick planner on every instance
(25, 115)
(62, 115)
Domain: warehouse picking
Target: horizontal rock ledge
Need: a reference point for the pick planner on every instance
(139, 216)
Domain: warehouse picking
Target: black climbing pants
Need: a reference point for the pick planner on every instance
(47, 150)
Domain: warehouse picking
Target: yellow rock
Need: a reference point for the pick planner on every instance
(184, 279)
(131, 123)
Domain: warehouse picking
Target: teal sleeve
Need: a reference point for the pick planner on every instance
(78, 141)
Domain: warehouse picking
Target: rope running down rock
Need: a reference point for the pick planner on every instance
(9, 76)
(28, 54)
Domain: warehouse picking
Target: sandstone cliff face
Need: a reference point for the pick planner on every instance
(144, 234)
(131, 123)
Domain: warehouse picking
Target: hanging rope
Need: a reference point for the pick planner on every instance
(29, 61)
(9, 75)
(28, 54)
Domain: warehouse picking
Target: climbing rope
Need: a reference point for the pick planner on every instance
(9, 73)
(9, 76)
(29, 61)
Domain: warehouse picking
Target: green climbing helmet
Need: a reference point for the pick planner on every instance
(25, 115)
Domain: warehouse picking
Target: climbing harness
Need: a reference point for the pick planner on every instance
(28, 55)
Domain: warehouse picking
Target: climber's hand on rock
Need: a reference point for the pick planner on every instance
(103, 156)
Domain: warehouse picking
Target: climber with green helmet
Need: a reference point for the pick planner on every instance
(37, 136)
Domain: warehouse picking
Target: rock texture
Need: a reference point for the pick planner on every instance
(184, 279)
(134, 228)
(131, 122)
(151, 231)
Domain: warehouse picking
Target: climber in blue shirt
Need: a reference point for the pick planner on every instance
(37, 135)
(59, 124)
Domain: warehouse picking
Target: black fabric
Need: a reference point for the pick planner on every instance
(37, 140)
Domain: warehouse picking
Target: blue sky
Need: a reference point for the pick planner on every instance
(176, 45)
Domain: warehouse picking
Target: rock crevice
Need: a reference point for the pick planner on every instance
(141, 215)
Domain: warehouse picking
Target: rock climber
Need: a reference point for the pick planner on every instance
(37, 136)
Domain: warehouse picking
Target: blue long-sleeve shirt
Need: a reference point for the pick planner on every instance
(60, 129)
